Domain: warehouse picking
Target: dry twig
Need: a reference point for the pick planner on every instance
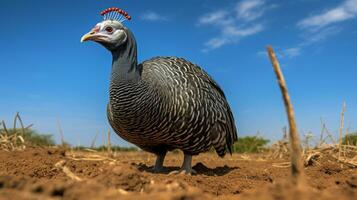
(109, 147)
(297, 170)
(341, 129)
(311, 158)
(67, 171)
(89, 157)
(282, 165)
(94, 140)
(60, 130)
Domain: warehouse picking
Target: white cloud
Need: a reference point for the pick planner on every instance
(234, 24)
(291, 52)
(232, 34)
(250, 9)
(309, 39)
(320, 35)
(262, 54)
(215, 43)
(343, 12)
(319, 27)
(234, 31)
(153, 16)
(217, 18)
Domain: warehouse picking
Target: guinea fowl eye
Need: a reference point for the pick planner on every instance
(109, 29)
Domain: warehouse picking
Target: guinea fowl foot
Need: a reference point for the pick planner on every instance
(159, 164)
(157, 170)
(186, 166)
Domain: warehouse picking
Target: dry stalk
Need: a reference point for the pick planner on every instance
(5, 129)
(67, 171)
(341, 129)
(311, 158)
(21, 123)
(88, 157)
(282, 165)
(280, 149)
(94, 140)
(109, 146)
(285, 132)
(349, 158)
(9, 140)
(307, 140)
(297, 168)
(350, 162)
(321, 134)
(322, 137)
(329, 135)
(15, 121)
(245, 157)
(90, 150)
(60, 130)
(347, 140)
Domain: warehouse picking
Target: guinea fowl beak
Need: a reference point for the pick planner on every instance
(92, 35)
(88, 36)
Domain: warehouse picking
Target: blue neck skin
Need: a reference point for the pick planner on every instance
(125, 65)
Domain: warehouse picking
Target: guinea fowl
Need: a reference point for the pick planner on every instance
(164, 103)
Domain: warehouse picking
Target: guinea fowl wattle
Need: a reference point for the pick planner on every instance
(164, 103)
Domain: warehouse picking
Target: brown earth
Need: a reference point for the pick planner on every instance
(38, 173)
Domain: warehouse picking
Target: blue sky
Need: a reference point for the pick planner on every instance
(47, 74)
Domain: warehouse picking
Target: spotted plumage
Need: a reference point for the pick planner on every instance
(164, 103)
(175, 104)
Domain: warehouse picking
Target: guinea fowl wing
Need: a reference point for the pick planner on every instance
(183, 77)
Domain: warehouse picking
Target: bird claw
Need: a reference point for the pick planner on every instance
(184, 172)
(156, 170)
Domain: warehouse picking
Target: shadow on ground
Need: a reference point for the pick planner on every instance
(200, 168)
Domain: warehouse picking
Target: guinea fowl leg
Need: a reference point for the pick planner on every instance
(159, 164)
(186, 166)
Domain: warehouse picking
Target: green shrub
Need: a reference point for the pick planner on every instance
(250, 144)
(32, 137)
(350, 139)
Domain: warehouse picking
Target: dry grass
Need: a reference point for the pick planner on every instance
(60, 130)
(109, 145)
(280, 149)
(341, 129)
(14, 140)
(61, 165)
(349, 159)
(345, 154)
(91, 156)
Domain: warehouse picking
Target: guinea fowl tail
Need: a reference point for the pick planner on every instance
(224, 135)
(232, 135)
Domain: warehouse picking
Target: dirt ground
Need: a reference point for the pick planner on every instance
(52, 173)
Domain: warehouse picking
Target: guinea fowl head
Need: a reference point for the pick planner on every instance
(110, 33)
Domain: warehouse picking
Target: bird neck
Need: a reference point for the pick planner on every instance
(125, 65)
